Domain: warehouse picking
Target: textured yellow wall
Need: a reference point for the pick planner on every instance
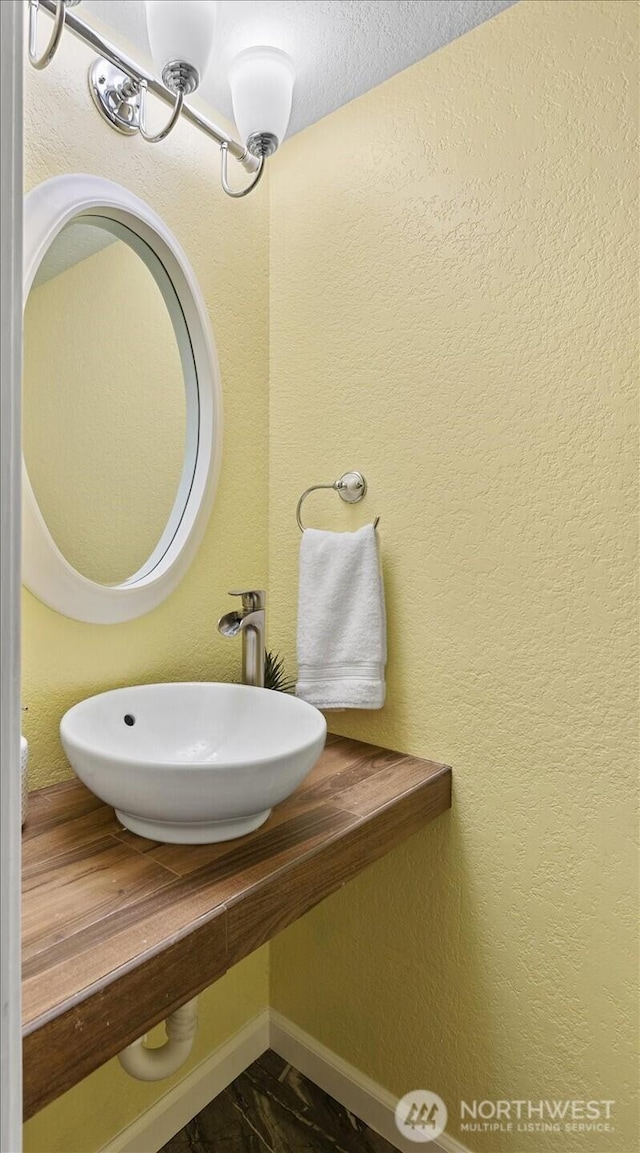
(63, 660)
(103, 417)
(454, 311)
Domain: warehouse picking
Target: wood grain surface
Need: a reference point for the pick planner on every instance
(119, 931)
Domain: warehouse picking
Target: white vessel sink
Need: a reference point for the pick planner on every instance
(192, 763)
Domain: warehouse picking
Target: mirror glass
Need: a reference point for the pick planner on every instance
(106, 437)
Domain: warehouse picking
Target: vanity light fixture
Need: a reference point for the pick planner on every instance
(261, 81)
(181, 39)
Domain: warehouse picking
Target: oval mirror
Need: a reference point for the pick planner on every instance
(121, 403)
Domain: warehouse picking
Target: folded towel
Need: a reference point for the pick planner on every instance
(342, 635)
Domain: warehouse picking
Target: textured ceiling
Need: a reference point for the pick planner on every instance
(341, 48)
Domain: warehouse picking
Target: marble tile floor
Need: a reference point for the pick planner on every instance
(271, 1108)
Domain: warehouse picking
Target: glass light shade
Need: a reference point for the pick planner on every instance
(181, 30)
(261, 81)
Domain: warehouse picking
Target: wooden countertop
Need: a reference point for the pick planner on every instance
(119, 931)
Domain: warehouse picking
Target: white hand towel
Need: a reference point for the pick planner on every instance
(342, 633)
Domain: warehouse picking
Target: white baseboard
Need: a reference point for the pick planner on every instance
(356, 1092)
(346, 1084)
(166, 1117)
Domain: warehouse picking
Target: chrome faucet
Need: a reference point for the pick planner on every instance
(251, 623)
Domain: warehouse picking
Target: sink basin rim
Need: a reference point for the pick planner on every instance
(96, 749)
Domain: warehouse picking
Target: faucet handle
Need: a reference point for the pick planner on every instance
(253, 600)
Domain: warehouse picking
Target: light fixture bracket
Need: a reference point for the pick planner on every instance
(116, 96)
(59, 13)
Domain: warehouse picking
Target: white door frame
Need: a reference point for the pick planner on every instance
(11, 60)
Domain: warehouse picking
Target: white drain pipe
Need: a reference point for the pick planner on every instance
(154, 1064)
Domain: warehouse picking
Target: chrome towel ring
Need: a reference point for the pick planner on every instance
(351, 487)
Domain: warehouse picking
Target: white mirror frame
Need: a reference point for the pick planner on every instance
(45, 571)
